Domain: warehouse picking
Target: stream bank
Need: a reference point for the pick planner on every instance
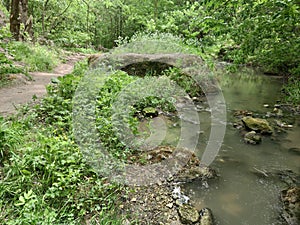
(257, 182)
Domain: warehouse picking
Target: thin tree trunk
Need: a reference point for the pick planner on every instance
(24, 18)
(15, 19)
(24, 11)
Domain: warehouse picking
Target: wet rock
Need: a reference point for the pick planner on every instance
(278, 112)
(252, 138)
(283, 124)
(241, 113)
(291, 205)
(170, 205)
(188, 214)
(179, 197)
(257, 124)
(277, 106)
(190, 173)
(206, 217)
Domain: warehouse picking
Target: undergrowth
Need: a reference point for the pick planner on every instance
(291, 89)
(35, 57)
(43, 176)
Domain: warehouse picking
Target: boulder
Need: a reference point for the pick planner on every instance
(291, 205)
(192, 172)
(188, 214)
(191, 65)
(206, 217)
(257, 124)
(252, 138)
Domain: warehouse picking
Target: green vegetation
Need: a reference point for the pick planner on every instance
(31, 57)
(264, 34)
(7, 67)
(44, 178)
(43, 174)
(35, 57)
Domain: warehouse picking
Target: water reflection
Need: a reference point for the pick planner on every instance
(239, 196)
(247, 191)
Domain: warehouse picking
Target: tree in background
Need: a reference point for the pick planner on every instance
(15, 19)
(20, 23)
(253, 32)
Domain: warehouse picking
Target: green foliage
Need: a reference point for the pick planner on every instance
(155, 42)
(4, 35)
(6, 68)
(70, 38)
(48, 182)
(36, 57)
(105, 99)
(10, 136)
(292, 90)
(46, 178)
(108, 95)
(55, 109)
(2, 7)
(190, 86)
(6, 65)
(268, 35)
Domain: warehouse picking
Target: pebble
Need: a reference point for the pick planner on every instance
(170, 205)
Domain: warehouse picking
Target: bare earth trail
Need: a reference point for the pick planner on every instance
(14, 96)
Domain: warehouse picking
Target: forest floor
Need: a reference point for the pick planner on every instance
(22, 90)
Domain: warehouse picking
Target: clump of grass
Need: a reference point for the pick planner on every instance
(292, 91)
(6, 68)
(36, 57)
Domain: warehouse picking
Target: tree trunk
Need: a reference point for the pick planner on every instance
(27, 23)
(24, 11)
(15, 19)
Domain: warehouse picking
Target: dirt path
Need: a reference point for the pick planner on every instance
(12, 97)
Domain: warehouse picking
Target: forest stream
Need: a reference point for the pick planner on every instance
(251, 177)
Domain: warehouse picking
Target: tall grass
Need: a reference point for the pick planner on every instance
(35, 57)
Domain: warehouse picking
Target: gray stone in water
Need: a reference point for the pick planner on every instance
(188, 214)
(206, 217)
(252, 138)
(257, 124)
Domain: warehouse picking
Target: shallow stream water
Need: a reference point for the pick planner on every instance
(240, 195)
(248, 188)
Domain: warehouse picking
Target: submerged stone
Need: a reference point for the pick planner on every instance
(188, 214)
(252, 138)
(206, 217)
(257, 124)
